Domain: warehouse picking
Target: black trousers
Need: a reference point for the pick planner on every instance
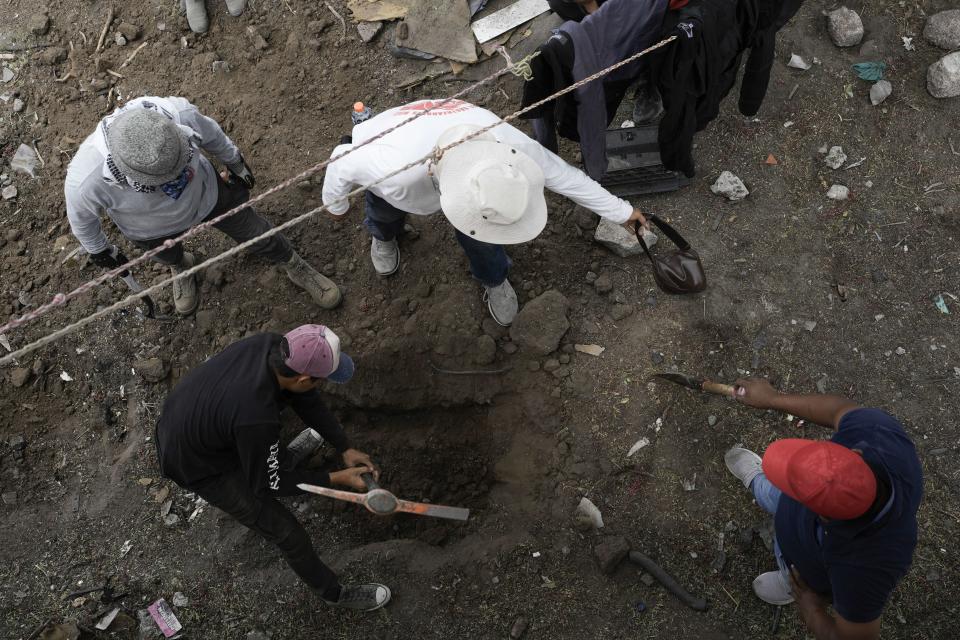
(241, 226)
(268, 517)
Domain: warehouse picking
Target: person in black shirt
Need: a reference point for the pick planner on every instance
(219, 436)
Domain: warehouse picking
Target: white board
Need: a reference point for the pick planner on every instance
(501, 21)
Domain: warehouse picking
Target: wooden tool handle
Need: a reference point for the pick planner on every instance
(718, 388)
(369, 481)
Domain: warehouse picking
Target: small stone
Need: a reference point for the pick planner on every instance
(711, 420)
(647, 579)
(656, 357)
(485, 350)
(835, 158)
(541, 323)
(943, 76)
(19, 376)
(120, 40)
(369, 30)
(52, 56)
(810, 325)
(611, 552)
(171, 519)
(551, 365)
(620, 241)
(845, 27)
(620, 311)
(9, 497)
(564, 358)
(151, 369)
(603, 284)
(256, 38)
(220, 66)
(591, 277)
(880, 91)
(901, 351)
(838, 192)
(180, 600)
(730, 186)
(39, 24)
(509, 348)
(18, 105)
(9, 193)
(129, 31)
(519, 628)
(943, 29)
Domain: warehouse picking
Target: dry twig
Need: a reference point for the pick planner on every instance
(103, 32)
(343, 23)
(133, 55)
(115, 74)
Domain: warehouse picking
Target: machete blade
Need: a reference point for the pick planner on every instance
(435, 510)
(682, 380)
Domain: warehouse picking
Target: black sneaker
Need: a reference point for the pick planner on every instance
(362, 597)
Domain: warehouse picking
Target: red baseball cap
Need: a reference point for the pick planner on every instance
(827, 478)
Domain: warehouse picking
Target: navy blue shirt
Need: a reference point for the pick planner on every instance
(859, 562)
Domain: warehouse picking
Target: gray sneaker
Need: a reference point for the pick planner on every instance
(196, 15)
(744, 464)
(185, 296)
(236, 7)
(362, 597)
(502, 302)
(385, 255)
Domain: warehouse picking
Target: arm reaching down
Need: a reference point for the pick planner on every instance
(212, 138)
(825, 410)
(337, 183)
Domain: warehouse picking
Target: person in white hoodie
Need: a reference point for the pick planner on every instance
(490, 188)
(143, 168)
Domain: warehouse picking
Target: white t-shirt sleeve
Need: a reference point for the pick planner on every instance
(567, 180)
(337, 182)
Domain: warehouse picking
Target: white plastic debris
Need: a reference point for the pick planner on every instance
(125, 549)
(691, 484)
(796, 62)
(880, 91)
(628, 124)
(5, 342)
(639, 444)
(908, 43)
(590, 513)
(838, 192)
(65, 376)
(835, 158)
(24, 160)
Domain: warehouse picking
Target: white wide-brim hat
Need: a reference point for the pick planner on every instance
(489, 190)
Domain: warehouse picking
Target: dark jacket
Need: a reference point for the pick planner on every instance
(698, 71)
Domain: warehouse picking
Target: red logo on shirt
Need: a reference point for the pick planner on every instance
(439, 108)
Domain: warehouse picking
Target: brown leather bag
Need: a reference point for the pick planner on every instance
(680, 271)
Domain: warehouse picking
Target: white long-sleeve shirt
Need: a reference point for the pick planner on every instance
(413, 190)
(90, 189)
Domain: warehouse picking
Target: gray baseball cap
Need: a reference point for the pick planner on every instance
(148, 147)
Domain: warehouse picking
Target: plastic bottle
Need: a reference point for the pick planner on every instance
(360, 113)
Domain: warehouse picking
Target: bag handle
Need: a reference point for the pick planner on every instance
(667, 230)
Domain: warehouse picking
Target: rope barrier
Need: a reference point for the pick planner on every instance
(68, 329)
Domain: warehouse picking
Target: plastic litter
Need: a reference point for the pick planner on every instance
(941, 304)
(796, 62)
(590, 513)
(870, 71)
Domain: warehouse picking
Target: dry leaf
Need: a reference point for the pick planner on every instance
(589, 349)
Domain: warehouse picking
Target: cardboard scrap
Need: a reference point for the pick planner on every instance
(441, 27)
(376, 10)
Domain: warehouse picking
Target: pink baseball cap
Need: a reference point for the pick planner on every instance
(315, 352)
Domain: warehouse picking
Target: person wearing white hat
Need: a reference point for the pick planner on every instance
(143, 168)
(490, 188)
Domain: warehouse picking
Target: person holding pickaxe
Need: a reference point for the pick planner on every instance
(219, 436)
(144, 168)
(845, 510)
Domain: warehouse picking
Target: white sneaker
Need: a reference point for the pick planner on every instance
(502, 302)
(772, 588)
(236, 7)
(385, 256)
(744, 464)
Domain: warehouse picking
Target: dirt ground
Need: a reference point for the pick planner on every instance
(809, 292)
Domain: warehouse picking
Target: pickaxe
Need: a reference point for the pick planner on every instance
(383, 503)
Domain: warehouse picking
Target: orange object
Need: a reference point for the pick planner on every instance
(772, 159)
(358, 107)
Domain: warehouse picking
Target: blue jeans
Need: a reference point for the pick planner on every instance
(488, 262)
(768, 497)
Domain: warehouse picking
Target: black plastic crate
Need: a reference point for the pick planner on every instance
(633, 163)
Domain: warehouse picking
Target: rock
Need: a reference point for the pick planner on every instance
(220, 66)
(648, 579)
(943, 76)
(835, 158)
(180, 600)
(316, 27)
(551, 365)
(541, 323)
(19, 376)
(205, 319)
(730, 187)
(845, 27)
(838, 192)
(603, 284)
(171, 519)
(622, 242)
(611, 552)
(584, 218)
(52, 55)
(880, 91)
(151, 369)
(120, 40)
(9, 193)
(711, 420)
(621, 311)
(259, 42)
(943, 29)
(129, 31)
(519, 628)
(39, 24)
(369, 30)
(486, 350)
(18, 105)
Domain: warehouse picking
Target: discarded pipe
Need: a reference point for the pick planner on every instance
(668, 581)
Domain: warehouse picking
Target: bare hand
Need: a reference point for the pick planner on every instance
(755, 392)
(635, 217)
(351, 477)
(354, 457)
(808, 601)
